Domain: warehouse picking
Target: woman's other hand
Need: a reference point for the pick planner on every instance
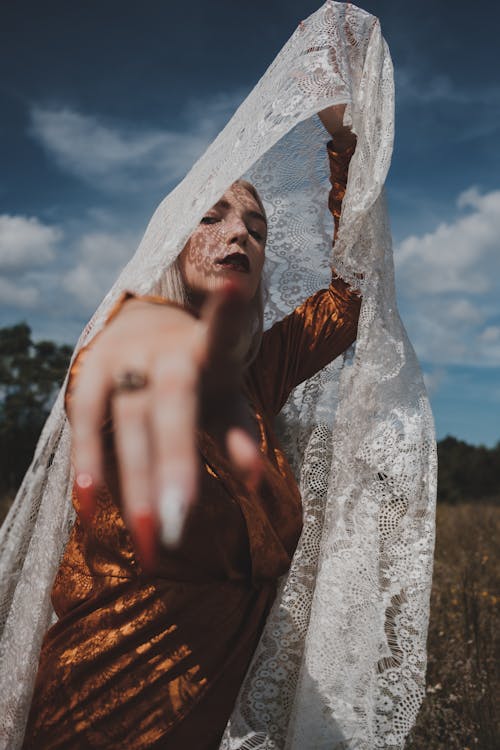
(192, 380)
(333, 119)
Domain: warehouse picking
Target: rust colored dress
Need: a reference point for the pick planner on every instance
(137, 661)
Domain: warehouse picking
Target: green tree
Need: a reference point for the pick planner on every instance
(30, 376)
(467, 472)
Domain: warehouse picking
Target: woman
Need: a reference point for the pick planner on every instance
(342, 656)
(172, 409)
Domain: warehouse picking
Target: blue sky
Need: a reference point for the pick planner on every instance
(105, 105)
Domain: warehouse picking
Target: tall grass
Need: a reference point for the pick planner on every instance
(460, 710)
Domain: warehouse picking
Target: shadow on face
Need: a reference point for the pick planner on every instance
(228, 243)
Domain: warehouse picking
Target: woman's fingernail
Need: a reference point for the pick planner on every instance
(172, 512)
(85, 489)
(144, 533)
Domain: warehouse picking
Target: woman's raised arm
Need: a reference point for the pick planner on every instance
(325, 325)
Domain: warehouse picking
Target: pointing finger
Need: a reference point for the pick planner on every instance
(174, 384)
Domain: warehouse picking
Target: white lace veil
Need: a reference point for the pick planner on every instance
(341, 662)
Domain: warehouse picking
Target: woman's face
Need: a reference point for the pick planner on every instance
(228, 243)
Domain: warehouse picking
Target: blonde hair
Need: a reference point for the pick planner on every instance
(171, 286)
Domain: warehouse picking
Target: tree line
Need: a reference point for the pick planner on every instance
(31, 374)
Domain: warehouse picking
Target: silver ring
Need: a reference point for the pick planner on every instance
(129, 381)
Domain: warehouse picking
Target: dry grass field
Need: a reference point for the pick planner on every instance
(460, 711)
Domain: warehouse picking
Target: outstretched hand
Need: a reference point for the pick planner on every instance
(193, 379)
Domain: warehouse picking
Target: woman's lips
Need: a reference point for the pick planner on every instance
(235, 262)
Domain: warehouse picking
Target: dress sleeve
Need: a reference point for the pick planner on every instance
(317, 331)
(80, 357)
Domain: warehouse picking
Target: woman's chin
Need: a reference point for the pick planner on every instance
(239, 281)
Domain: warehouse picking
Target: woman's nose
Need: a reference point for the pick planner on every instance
(236, 230)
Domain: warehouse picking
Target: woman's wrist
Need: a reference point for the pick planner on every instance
(343, 139)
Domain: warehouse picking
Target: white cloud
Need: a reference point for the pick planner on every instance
(459, 256)
(101, 256)
(440, 88)
(14, 294)
(449, 282)
(113, 156)
(491, 334)
(26, 242)
(434, 379)
(42, 278)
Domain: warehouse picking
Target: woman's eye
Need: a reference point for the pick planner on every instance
(209, 220)
(256, 234)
